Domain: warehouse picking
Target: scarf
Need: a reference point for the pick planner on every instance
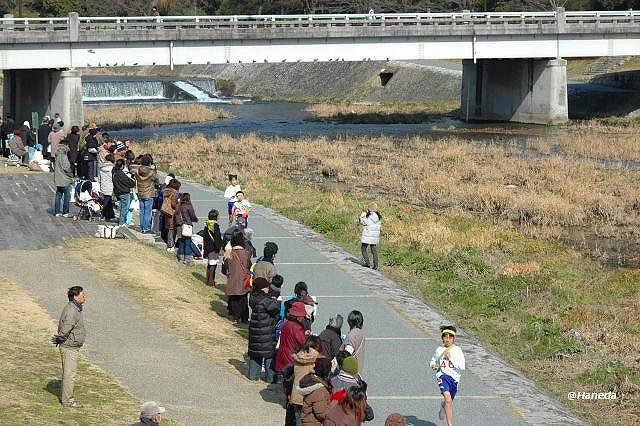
(210, 225)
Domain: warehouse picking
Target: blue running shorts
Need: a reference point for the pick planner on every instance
(447, 384)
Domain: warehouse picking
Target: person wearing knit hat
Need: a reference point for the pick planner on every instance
(395, 419)
(347, 376)
(447, 362)
(150, 414)
(276, 286)
(265, 312)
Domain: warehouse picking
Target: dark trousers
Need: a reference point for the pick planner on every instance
(107, 209)
(238, 308)
(365, 254)
(294, 415)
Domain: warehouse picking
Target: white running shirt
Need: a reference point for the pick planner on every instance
(231, 191)
(451, 363)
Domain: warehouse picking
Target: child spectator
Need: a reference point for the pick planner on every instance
(212, 245)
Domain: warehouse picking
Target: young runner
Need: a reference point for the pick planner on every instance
(447, 361)
(241, 208)
(230, 194)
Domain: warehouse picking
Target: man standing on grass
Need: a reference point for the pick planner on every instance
(70, 338)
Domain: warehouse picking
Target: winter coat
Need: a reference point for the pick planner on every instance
(16, 146)
(212, 239)
(91, 145)
(337, 417)
(264, 269)
(303, 363)
(172, 195)
(292, 336)
(316, 393)
(122, 183)
(27, 136)
(371, 230)
(146, 179)
(54, 139)
(62, 175)
(105, 177)
(43, 136)
(331, 341)
(238, 265)
(355, 338)
(344, 380)
(265, 312)
(185, 215)
(73, 139)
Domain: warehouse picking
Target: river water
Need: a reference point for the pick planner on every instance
(290, 120)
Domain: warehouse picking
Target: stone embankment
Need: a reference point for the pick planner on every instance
(329, 81)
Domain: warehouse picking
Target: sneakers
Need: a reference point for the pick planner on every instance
(441, 412)
(171, 249)
(67, 215)
(58, 214)
(72, 404)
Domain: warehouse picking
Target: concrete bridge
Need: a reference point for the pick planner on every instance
(513, 62)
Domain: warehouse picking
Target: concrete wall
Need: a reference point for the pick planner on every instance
(623, 80)
(527, 91)
(45, 92)
(350, 81)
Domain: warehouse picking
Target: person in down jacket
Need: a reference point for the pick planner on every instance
(265, 312)
(370, 220)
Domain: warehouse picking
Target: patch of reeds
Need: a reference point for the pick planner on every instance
(137, 116)
(357, 113)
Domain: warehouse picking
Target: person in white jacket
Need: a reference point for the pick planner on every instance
(448, 361)
(370, 220)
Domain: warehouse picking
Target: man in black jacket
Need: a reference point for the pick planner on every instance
(265, 312)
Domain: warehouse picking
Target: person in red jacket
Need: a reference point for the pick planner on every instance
(292, 336)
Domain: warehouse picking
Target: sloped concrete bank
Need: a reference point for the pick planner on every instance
(349, 81)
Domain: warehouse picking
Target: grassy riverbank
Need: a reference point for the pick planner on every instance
(179, 300)
(136, 116)
(466, 229)
(30, 373)
(355, 113)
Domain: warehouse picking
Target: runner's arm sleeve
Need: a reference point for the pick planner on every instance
(457, 358)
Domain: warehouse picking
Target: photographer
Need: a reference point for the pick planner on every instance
(370, 219)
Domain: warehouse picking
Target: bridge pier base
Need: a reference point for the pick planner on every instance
(520, 90)
(46, 92)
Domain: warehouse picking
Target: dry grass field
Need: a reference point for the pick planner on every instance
(379, 114)
(474, 230)
(136, 116)
(30, 373)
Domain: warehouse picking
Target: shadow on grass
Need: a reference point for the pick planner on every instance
(241, 366)
(414, 421)
(54, 387)
(273, 394)
(199, 276)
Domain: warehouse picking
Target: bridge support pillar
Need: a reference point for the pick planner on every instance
(521, 90)
(46, 92)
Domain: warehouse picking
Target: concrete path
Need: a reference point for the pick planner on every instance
(151, 363)
(402, 332)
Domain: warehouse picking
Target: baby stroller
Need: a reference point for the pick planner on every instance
(87, 202)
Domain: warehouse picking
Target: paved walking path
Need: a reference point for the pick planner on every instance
(401, 331)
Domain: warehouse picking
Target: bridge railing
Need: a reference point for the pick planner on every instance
(145, 23)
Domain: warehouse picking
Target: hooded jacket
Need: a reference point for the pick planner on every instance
(62, 175)
(265, 312)
(170, 195)
(316, 394)
(54, 138)
(146, 179)
(303, 363)
(337, 417)
(371, 230)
